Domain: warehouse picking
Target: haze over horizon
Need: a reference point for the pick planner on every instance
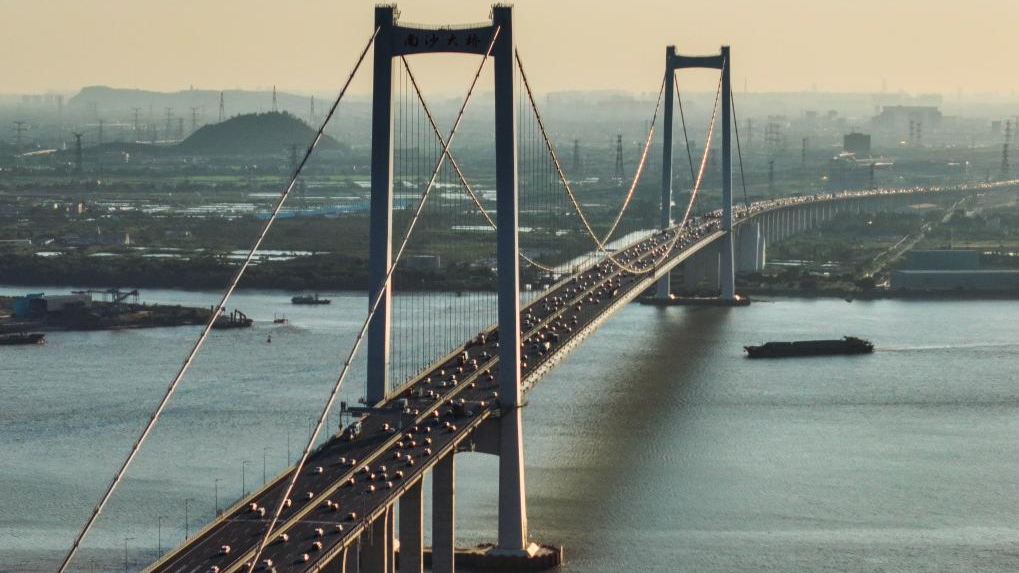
(917, 46)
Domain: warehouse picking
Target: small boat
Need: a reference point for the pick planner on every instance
(847, 345)
(20, 338)
(279, 319)
(314, 299)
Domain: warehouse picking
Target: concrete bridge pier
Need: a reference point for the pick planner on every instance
(412, 525)
(768, 227)
(704, 269)
(377, 554)
(750, 249)
(345, 562)
(443, 515)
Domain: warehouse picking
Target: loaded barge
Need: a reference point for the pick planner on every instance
(847, 345)
(311, 300)
(20, 338)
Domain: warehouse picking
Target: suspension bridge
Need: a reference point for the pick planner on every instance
(336, 509)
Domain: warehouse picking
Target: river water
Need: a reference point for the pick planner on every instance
(655, 447)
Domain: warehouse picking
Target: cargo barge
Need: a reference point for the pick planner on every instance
(310, 300)
(847, 345)
(19, 338)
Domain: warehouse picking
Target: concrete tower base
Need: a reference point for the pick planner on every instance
(490, 558)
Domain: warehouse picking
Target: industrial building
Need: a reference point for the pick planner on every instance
(856, 143)
(39, 304)
(947, 280)
(951, 270)
(900, 116)
(942, 260)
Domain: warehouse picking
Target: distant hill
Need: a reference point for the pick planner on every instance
(254, 134)
(120, 101)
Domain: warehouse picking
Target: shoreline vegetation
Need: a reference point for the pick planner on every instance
(210, 272)
(345, 273)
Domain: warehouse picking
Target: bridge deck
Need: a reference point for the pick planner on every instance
(360, 479)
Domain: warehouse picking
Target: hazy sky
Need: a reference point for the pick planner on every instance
(778, 45)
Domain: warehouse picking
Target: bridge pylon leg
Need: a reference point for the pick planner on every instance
(380, 243)
(663, 289)
(728, 266)
(377, 548)
(512, 490)
(444, 515)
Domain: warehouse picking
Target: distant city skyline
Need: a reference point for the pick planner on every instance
(917, 46)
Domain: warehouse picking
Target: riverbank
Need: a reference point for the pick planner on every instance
(877, 294)
(313, 272)
(99, 315)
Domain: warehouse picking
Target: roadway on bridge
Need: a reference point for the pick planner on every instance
(346, 484)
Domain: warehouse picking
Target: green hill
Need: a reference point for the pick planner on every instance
(253, 134)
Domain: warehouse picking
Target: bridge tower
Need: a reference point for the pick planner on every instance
(723, 63)
(394, 41)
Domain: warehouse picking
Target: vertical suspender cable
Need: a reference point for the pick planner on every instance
(371, 313)
(739, 148)
(686, 138)
(220, 308)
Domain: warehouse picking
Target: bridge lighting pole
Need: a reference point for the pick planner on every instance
(126, 539)
(187, 528)
(244, 483)
(215, 486)
(159, 535)
(264, 452)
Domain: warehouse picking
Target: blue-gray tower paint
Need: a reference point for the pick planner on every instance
(392, 41)
(512, 491)
(380, 242)
(723, 63)
(664, 287)
(727, 273)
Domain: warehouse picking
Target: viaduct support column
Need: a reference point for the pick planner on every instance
(443, 515)
(664, 287)
(377, 549)
(512, 491)
(380, 244)
(412, 530)
(351, 560)
(727, 273)
(339, 564)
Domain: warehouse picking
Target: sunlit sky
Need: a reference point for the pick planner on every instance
(308, 45)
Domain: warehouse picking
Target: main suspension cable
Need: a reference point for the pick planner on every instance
(371, 313)
(686, 138)
(219, 310)
(562, 175)
(601, 246)
(704, 157)
(640, 165)
(456, 165)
